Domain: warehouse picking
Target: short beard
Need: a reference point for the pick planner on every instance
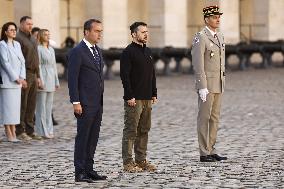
(142, 41)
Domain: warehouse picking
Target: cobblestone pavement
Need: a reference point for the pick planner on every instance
(251, 135)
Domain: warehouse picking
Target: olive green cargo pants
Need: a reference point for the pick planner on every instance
(137, 124)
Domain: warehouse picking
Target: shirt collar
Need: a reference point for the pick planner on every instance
(25, 34)
(212, 32)
(138, 45)
(89, 45)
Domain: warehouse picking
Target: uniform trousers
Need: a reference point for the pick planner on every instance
(208, 122)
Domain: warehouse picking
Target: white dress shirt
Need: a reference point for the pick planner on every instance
(212, 32)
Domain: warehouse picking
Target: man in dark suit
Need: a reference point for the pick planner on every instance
(86, 87)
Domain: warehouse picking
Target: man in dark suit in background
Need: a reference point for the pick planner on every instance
(86, 87)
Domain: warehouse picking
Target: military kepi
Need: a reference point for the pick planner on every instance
(211, 10)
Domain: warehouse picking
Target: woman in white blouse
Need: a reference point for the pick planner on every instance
(13, 75)
(49, 78)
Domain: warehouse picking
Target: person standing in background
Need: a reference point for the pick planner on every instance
(13, 72)
(50, 83)
(34, 33)
(25, 131)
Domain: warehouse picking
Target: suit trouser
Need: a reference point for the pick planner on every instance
(28, 104)
(43, 119)
(207, 123)
(137, 124)
(88, 129)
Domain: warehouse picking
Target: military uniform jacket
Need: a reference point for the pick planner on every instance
(208, 59)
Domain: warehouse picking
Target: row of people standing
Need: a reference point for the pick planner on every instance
(86, 88)
(28, 64)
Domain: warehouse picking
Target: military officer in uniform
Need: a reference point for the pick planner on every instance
(208, 59)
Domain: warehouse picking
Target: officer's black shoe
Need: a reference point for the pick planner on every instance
(207, 159)
(83, 178)
(95, 176)
(219, 158)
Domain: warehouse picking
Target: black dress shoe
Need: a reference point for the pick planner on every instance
(53, 120)
(207, 159)
(219, 158)
(95, 176)
(83, 178)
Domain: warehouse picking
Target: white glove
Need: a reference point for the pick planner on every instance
(203, 93)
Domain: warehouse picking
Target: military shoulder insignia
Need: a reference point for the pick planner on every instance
(196, 39)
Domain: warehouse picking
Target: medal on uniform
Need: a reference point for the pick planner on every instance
(211, 54)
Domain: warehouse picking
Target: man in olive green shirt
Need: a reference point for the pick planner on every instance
(25, 131)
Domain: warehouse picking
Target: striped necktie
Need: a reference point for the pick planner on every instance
(96, 55)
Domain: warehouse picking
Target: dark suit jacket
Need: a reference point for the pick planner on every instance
(85, 77)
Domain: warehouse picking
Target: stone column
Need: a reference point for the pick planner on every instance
(45, 14)
(230, 21)
(93, 9)
(156, 23)
(267, 20)
(6, 12)
(275, 20)
(260, 23)
(114, 18)
(22, 8)
(168, 23)
(137, 11)
(175, 18)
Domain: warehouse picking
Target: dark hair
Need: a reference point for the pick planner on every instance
(5, 28)
(35, 29)
(24, 18)
(88, 24)
(69, 42)
(134, 27)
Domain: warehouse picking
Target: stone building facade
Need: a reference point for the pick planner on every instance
(171, 23)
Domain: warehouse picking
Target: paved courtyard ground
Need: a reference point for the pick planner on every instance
(251, 134)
